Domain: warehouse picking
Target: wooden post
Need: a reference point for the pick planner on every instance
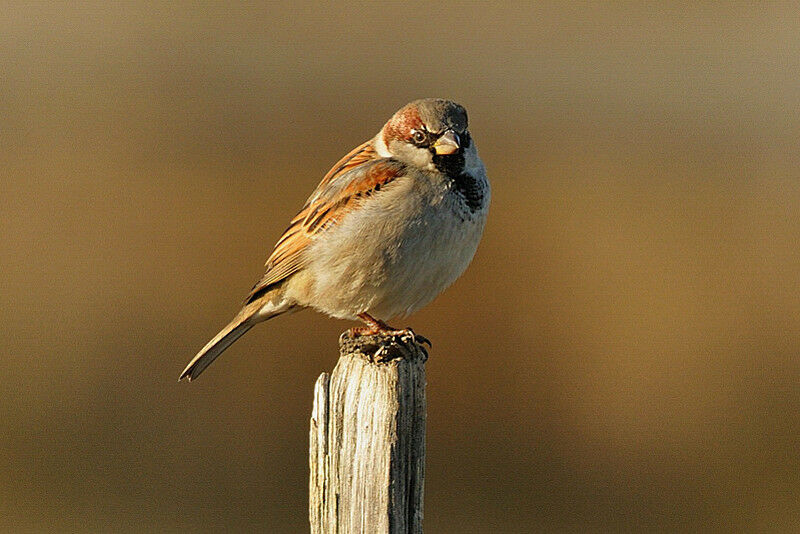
(367, 439)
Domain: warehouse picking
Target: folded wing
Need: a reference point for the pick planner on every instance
(358, 175)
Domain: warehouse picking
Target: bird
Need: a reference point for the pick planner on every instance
(390, 226)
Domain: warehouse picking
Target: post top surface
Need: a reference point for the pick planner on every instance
(383, 348)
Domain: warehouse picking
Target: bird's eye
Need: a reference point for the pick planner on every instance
(419, 137)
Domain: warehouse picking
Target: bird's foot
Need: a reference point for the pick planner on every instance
(376, 326)
(419, 339)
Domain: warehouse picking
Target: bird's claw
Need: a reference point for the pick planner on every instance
(382, 353)
(406, 333)
(419, 339)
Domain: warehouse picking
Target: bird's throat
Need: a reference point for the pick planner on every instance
(451, 165)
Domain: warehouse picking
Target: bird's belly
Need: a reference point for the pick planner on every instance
(426, 264)
(390, 263)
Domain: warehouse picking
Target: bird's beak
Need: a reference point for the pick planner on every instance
(446, 144)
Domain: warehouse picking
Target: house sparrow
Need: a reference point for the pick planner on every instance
(390, 226)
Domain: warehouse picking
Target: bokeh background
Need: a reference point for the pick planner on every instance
(623, 354)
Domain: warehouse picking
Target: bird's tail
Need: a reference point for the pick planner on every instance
(246, 319)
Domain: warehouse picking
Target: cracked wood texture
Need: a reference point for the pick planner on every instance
(367, 439)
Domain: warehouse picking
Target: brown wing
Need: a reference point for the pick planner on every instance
(356, 176)
(360, 154)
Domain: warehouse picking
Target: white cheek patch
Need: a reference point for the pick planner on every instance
(422, 158)
(380, 146)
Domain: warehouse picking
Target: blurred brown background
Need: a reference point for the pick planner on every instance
(621, 356)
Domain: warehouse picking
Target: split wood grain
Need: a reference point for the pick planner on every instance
(367, 439)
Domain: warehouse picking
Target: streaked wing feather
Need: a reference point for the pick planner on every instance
(354, 177)
(361, 154)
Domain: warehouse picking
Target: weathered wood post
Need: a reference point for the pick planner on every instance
(367, 439)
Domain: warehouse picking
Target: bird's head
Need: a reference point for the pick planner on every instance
(430, 134)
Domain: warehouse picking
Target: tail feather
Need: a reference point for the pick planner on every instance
(246, 319)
